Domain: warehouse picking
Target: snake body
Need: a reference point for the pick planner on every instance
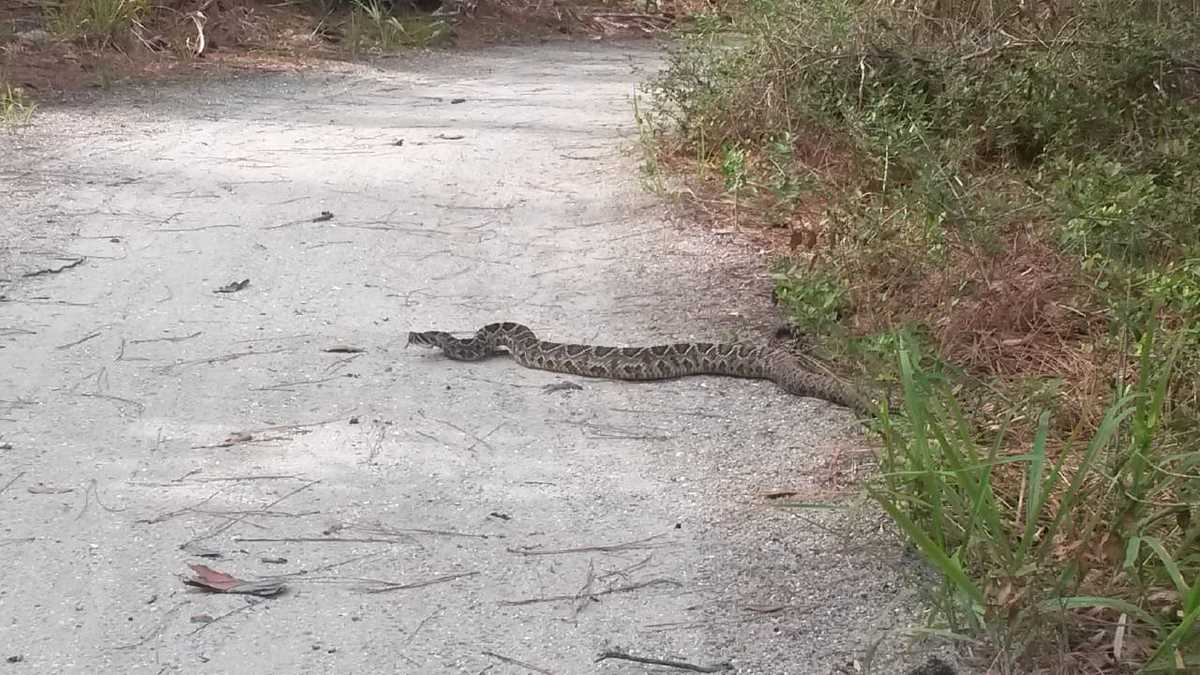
(644, 363)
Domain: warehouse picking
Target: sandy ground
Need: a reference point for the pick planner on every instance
(423, 515)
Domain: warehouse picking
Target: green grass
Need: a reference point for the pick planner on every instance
(99, 23)
(374, 28)
(16, 108)
(1046, 546)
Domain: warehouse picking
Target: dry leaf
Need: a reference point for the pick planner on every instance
(220, 582)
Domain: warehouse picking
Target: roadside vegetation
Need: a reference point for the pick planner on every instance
(989, 210)
(15, 107)
(58, 45)
(375, 27)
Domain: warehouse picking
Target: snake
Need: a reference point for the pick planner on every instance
(658, 362)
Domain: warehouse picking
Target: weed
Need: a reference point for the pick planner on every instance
(97, 22)
(15, 107)
(373, 27)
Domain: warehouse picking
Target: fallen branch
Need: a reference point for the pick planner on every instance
(670, 663)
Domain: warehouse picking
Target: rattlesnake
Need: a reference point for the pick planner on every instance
(645, 363)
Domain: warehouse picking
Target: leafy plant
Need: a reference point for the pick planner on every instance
(811, 301)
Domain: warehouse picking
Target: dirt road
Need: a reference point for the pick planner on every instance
(424, 516)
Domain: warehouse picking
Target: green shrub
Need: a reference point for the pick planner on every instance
(812, 302)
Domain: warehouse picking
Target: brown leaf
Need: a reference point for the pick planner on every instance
(220, 582)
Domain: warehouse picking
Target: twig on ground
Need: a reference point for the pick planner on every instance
(178, 338)
(177, 512)
(55, 270)
(192, 229)
(234, 521)
(515, 662)
(413, 635)
(11, 481)
(340, 362)
(87, 500)
(670, 663)
(283, 386)
(315, 540)
(388, 586)
(251, 602)
(170, 367)
(226, 479)
(462, 431)
(606, 548)
(585, 592)
(80, 341)
(329, 566)
(398, 531)
(609, 591)
(624, 571)
(109, 397)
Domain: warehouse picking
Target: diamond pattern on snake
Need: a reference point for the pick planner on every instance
(658, 362)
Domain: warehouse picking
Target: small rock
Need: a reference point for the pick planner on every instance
(36, 36)
(15, 658)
